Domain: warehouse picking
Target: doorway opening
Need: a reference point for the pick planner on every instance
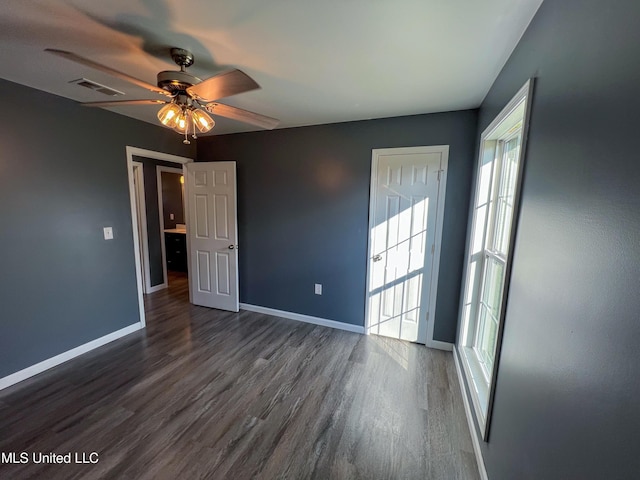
(173, 224)
(145, 191)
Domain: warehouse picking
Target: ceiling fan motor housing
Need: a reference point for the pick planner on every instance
(178, 81)
(173, 81)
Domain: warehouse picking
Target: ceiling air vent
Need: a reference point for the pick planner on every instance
(83, 82)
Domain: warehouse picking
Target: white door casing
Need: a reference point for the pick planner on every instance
(406, 210)
(212, 234)
(140, 221)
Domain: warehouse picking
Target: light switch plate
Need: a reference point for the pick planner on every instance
(108, 233)
(171, 216)
(318, 289)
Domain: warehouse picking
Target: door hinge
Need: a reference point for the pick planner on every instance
(433, 249)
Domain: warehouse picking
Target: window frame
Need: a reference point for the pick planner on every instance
(480, 382)
(489, 251)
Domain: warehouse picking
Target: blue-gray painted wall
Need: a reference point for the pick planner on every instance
(566, 404)
(303, 206)
(63, 177)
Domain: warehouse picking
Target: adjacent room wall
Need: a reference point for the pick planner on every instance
(303, 206)
(172, 199)
(63, 177)
(566, 403)
(154, 242)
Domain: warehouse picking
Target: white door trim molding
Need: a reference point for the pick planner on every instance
(138, 243)
(435, 270)
(163, 248)
(66, 356)
(165, 157)
(442, 186)
(137, 172)
(141, 152)
(303, 318)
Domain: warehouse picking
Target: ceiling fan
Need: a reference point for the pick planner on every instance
(189, 98)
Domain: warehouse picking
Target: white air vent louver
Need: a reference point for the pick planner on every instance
(83, 82)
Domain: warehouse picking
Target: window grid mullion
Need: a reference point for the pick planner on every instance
(488, 252)
(489, 229)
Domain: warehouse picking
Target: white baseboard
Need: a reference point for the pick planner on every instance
(446, 346)
(65, 356)
(157, 288)
(303, 318)
(470, 420)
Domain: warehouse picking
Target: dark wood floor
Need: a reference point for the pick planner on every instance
(209, 394)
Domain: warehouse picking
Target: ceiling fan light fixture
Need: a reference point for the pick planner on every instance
(182, 121)
(202, 120)
(168, 115)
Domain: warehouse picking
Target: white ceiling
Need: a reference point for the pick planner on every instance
(317, 61)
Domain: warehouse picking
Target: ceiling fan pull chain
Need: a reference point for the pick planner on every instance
(189, 120)
(186, 134)
(193, 125)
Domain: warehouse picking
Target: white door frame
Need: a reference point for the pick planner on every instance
(159, 170)
(435, 269)
(141, 152)
(141, 220)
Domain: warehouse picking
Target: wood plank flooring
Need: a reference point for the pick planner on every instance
(208, 394)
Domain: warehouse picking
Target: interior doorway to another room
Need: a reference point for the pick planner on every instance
(172, 215)
(146, 169)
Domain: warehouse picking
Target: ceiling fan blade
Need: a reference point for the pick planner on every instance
(103, 68)
(121, 103)
(223, 85)
(242, 115)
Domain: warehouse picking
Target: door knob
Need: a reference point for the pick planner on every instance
(377, 258)
(231, 247)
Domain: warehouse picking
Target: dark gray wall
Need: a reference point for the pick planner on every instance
(154, 245)
(172, 199)
(303, 205)
(63, 177)
(566, 404)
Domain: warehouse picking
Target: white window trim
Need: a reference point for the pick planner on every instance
(480, 390)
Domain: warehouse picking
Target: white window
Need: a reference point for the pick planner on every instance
(490, 245)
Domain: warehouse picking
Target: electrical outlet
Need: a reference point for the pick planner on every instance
(108, 233)
(318, 289)
(171, 216)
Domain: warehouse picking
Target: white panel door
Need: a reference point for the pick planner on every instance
(404, 207)
(212, 231)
